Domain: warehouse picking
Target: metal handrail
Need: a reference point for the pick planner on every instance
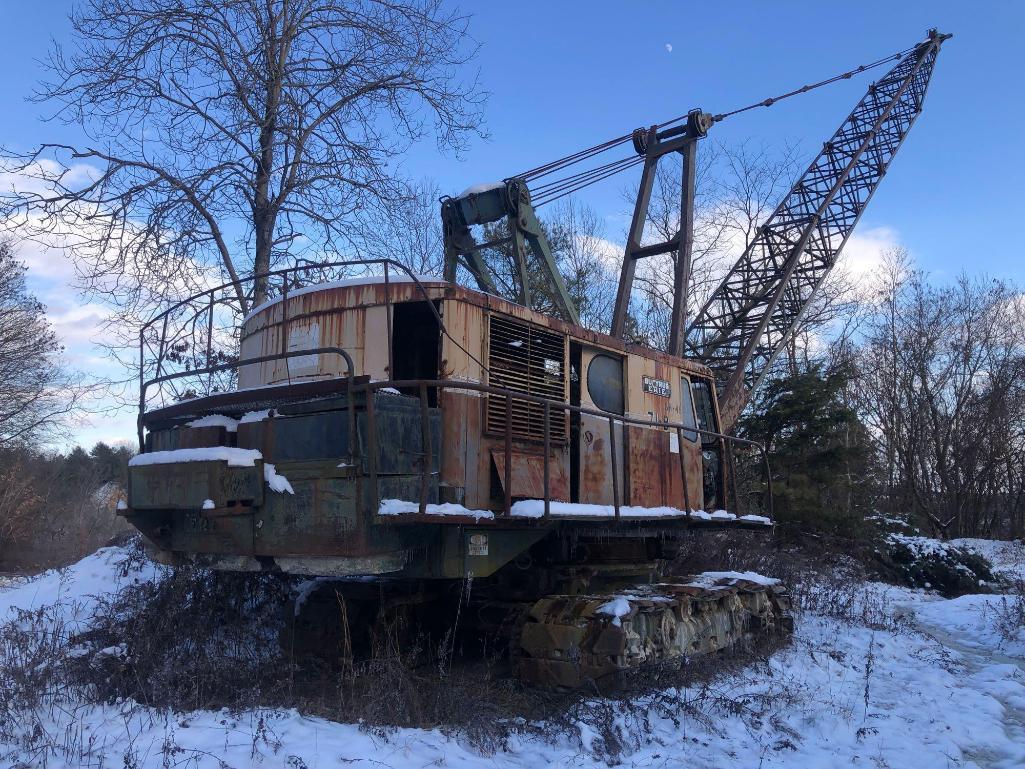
(548, 404)
(350, 378)
(423, 385)
(209, 296)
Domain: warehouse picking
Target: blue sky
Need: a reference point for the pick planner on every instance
(564, 75)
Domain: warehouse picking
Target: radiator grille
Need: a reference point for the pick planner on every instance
(526, 359)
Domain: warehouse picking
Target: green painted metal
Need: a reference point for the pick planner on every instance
(188, 485)
(510, 201)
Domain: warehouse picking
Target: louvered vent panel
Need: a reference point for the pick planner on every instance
(526, 359)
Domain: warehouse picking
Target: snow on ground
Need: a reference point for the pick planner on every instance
(73, 591)
(842, 694)
(1008, 558)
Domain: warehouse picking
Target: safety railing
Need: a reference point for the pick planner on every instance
(424, 386)
(349, 381)
(200, 335)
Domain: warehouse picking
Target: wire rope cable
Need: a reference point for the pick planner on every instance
(567, 185)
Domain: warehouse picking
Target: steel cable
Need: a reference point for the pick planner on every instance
(563, 186)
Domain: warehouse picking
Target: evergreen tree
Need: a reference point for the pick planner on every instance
(110, 465)
(818, 450)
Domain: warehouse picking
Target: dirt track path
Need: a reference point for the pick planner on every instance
(984, 667)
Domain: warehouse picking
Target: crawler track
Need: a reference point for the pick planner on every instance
(568, 640)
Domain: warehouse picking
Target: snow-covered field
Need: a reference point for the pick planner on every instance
(938, 689)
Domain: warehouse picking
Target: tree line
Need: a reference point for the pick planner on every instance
(56, 507)
(915, 411)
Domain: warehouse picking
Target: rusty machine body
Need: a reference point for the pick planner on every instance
(420, 433)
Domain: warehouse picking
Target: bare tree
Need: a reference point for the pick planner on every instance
(20, 501)
(36, 394)
(940, 385)
(410, 231)
(228, 136)
(587, 260)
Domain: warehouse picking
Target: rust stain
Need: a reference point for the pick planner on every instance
(595, 461)
(647, 462)
(528, 474)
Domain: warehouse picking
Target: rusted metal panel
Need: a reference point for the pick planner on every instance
(198, 533)
(462, 351)
(186, 438)
(647, 466)
(683, 452)
(647, 402)
(375, 343)
(320, 518)
(242, 400)
(453, 438)
(528, 474)
(478, 475)
(187, 485)
(352, 317)
(197, 437)
(339, 311)
(336, 327)
(399, 443)
(596, 461)
(594, 445)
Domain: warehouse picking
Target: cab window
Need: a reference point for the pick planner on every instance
(688, 417)
(703, 405)
(605, 383)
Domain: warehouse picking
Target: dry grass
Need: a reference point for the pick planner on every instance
(1010, 613)
(206, 640)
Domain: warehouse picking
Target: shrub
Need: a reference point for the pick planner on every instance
(929, 563)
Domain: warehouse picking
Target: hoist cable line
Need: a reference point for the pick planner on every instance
(553, 197)
(541, 189)
(576, 157)
(584, 178)
(810, 87)
(560, 187)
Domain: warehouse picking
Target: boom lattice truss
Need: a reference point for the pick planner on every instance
(752, 314)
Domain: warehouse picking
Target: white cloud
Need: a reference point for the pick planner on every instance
(669, 47)
(40, 175)
(863, 254)
(78, 323)
(46, 261)
(610, 252)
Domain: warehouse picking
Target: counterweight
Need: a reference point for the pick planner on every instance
(752, 314)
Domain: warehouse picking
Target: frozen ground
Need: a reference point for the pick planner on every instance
(1008, 558)
(938, 690)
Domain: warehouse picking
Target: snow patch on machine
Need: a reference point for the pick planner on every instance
(477, 189)
(215, 420)
(402, 507)
(276, 480)
(233, 456)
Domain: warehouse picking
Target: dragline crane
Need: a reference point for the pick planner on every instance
(748, 319)
(404, 436)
